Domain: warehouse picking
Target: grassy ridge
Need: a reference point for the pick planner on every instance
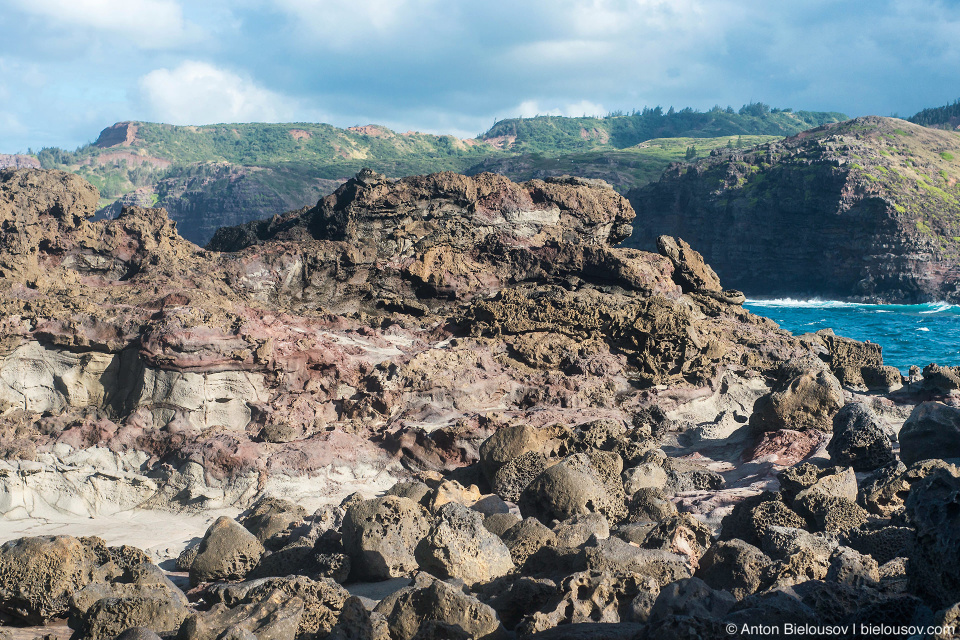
(269, 168)
(624, 168)
(560, 134)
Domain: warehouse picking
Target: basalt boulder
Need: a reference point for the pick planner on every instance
(931, 431)
(274, 616)
(691, 597)
(579, 529)
(587, 596)
(381, 535)
(271, 516)
(431, 599)
(509, 443)
(933, 508)
(140, 596)
(580, 484)
(458, 546)
(615, 555)
(227, 552)
(734, 566)
(690, 271)
(39, 575)
(860, 439)
(526, 538)
(108, 617)
(322, 599)
(807, 400)
(751, 518)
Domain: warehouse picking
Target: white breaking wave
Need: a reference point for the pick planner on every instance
(817, 303)
(937, 307)
(813, 303)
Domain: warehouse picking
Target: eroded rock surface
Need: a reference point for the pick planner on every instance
(427, 312)
(586, 434)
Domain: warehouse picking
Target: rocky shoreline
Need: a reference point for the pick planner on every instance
(445, 407)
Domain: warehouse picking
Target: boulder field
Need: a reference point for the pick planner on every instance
(445, 407)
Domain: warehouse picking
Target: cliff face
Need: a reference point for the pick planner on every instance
(866, 209)
(218, 194)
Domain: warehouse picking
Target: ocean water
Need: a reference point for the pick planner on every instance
(909, 334)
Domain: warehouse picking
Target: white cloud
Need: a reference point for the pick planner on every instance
(200, 93)
(147, 23)
(369, 23)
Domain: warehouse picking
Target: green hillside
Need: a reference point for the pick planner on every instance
(117, 162)
(227, 174)
(548, 134)
(624, 168)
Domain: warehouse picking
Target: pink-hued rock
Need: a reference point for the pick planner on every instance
(397, 320)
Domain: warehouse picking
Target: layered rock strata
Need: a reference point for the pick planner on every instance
(588, 434)
(395, 321)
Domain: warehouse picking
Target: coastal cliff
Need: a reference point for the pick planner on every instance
(867, 209)
(460, 389)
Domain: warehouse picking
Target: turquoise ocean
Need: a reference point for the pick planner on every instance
(909, 334)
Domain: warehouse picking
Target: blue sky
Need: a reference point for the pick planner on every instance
(69, 68)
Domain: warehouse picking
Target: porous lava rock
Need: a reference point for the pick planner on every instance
(859, 439)
(323, 599)
(734, 566)
(227, 552)
(431, 599)
(458, 546)
(931, 431)
(381, 535)
(39, 575)
(933, 508)
(807, 400)
(527, 537)
(580, 484)
(271, 516)
(464, 335)
(276, 615)
(140, 596)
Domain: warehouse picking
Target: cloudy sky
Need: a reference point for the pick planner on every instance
(69, 68)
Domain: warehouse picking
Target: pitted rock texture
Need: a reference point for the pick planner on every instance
(860, 439)
(934, 510)
(931, 432)
(458, 546)
(485, 340)
(381, 536)
(38, 576)
(808, 400)
(430, 599)
(227, 552)
(580, 484)
(396, 321)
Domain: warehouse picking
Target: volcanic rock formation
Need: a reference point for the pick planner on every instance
(583, 433)
(419, 313)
